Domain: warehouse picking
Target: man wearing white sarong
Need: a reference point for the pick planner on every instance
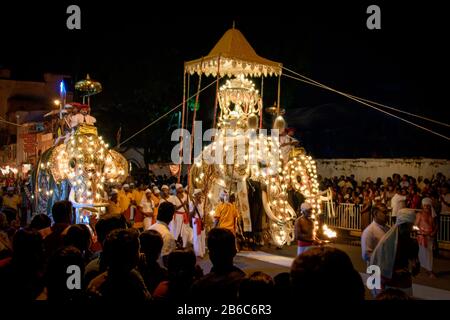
(180, 219)
(147, 208)
(196, 209)
(425, 221)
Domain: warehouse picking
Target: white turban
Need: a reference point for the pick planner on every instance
(197, 191)
(305, 206)
(178, 186)
(126, 185)
(165, 186)
(114, 191)
(148, 191)
(406, 215)
(428, 201)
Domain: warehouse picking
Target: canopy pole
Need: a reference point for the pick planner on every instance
(182, 126)
(193, 122)
(262, 102)
(187, 101)
(217, 94)
(278, 98)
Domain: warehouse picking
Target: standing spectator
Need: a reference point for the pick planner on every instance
(11, 199)
(421, 184)
(404, 183)
(396, 251)
(398, 202)
(426, 234)
(445, 200)
(365, 210)
(413, 199)
(165, 215)
(390, 192)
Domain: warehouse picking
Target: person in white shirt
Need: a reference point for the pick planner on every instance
(181, 218)
(398, 202)
(374, 232)
(166, 211)
(147, 207)
(198, 224)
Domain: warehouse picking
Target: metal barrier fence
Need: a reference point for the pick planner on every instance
(348, 217)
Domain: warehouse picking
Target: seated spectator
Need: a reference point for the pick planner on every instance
(257, 288)
(103, 227)
(182, 272)
(5, 241)
(151, 246)
(121, 283)
(58, 278)
(393, 295)
(21, 277)
(327, 273)
(80, 237)
(40, 221)
(222, 283)
(282, 286)
(62, 217)
(12, 222)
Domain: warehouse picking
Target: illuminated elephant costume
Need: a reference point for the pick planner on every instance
(257, 172)
(78, 170)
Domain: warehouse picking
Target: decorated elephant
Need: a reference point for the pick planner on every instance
(244, 160)
(78, 170)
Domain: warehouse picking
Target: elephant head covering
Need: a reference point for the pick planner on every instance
(385, 252)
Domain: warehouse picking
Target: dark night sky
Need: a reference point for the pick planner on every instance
(137, 50)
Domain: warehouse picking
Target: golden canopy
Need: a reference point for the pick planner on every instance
(236, 56)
